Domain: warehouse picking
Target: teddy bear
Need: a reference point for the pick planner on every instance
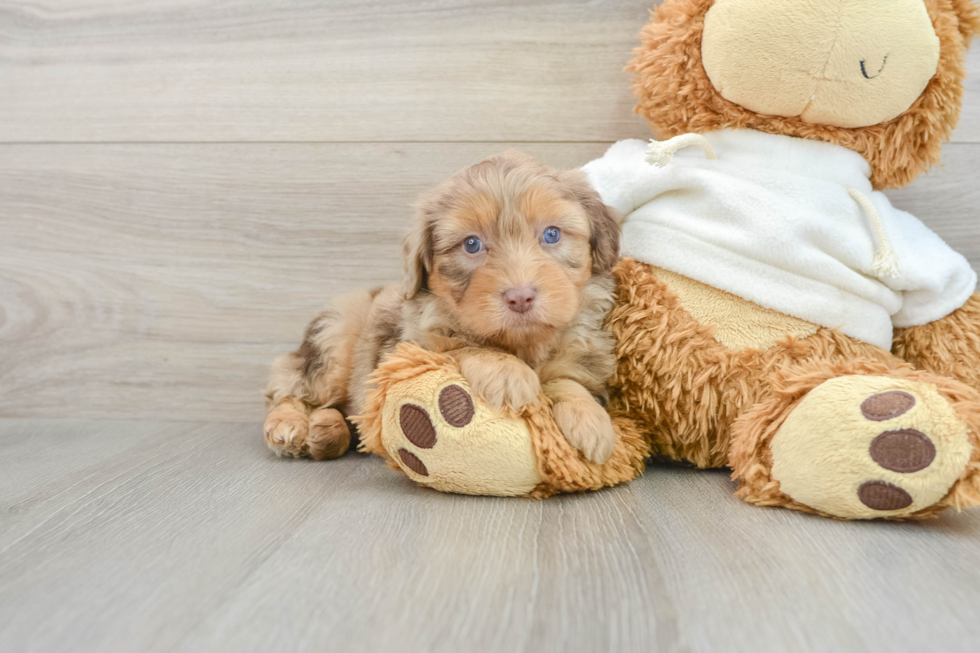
(422, 417)
(775, 314)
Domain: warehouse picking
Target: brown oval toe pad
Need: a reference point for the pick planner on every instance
(412, 462)
(456, 406)
(417, 426)
(887, 405)
(903, 451)
(879, 495)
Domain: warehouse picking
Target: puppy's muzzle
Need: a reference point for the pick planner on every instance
(520, 300)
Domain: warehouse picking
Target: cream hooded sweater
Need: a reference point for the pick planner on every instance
(786, 223)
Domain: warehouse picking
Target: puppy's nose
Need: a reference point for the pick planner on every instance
(520, 300)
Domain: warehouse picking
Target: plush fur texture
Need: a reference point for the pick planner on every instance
(714, 407)
(717, 405)
(685, 388)
(751, 455)
(947, 347)
(493, 457)
(968, 14)
(675, 95)
(478, 241)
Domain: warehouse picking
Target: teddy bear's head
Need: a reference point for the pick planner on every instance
(881, 77)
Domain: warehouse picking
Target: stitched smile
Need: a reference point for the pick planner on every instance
(864, 71)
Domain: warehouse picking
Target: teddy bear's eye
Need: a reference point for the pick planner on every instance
(551, 235)
(472, 245)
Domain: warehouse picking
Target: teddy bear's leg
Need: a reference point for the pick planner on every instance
(949, 346)
(860, 441)
(440, 434)
(426, 421)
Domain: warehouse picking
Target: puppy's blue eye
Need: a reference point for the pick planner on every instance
(552, 235)
(472, 245)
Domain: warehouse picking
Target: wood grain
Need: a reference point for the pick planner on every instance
(297, 70)
(159, 281)
(183, 183)
(968, 130)
(343, 70)
(141, 536)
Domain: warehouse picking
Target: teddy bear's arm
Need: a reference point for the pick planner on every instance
(934, 279)
(949, 346)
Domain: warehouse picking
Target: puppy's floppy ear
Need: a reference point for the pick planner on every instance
(417, 247)
(417, 257)
(604, 222)
(969, 16)
(417, 260)
(605, 235)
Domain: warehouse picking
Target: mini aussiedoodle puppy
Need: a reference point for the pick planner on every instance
(508, 269)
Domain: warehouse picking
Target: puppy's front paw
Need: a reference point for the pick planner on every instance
(587, 427)
(501, 380)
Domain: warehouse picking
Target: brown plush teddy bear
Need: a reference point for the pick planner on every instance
(775, 314)
(424, 420)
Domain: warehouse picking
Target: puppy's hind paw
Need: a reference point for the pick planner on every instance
(329, 435)
(285, 429)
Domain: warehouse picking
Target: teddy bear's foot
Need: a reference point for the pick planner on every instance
(440, 437)
(425, 419)
(864, 447)
(867, 446)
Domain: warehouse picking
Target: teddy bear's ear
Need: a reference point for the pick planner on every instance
(969, 14)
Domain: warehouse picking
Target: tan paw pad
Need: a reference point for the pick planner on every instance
(440, 436)
(887, 405)
(417, 426)
(903, 451)
(456, 406)
(882, 496)
(862, 447)
(412, 462)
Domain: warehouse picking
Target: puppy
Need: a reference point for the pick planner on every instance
(508, 269)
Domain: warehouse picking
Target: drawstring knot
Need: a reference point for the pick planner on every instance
(660, 153)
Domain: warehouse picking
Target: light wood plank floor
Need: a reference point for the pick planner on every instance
(183, 184)
(159, 536)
